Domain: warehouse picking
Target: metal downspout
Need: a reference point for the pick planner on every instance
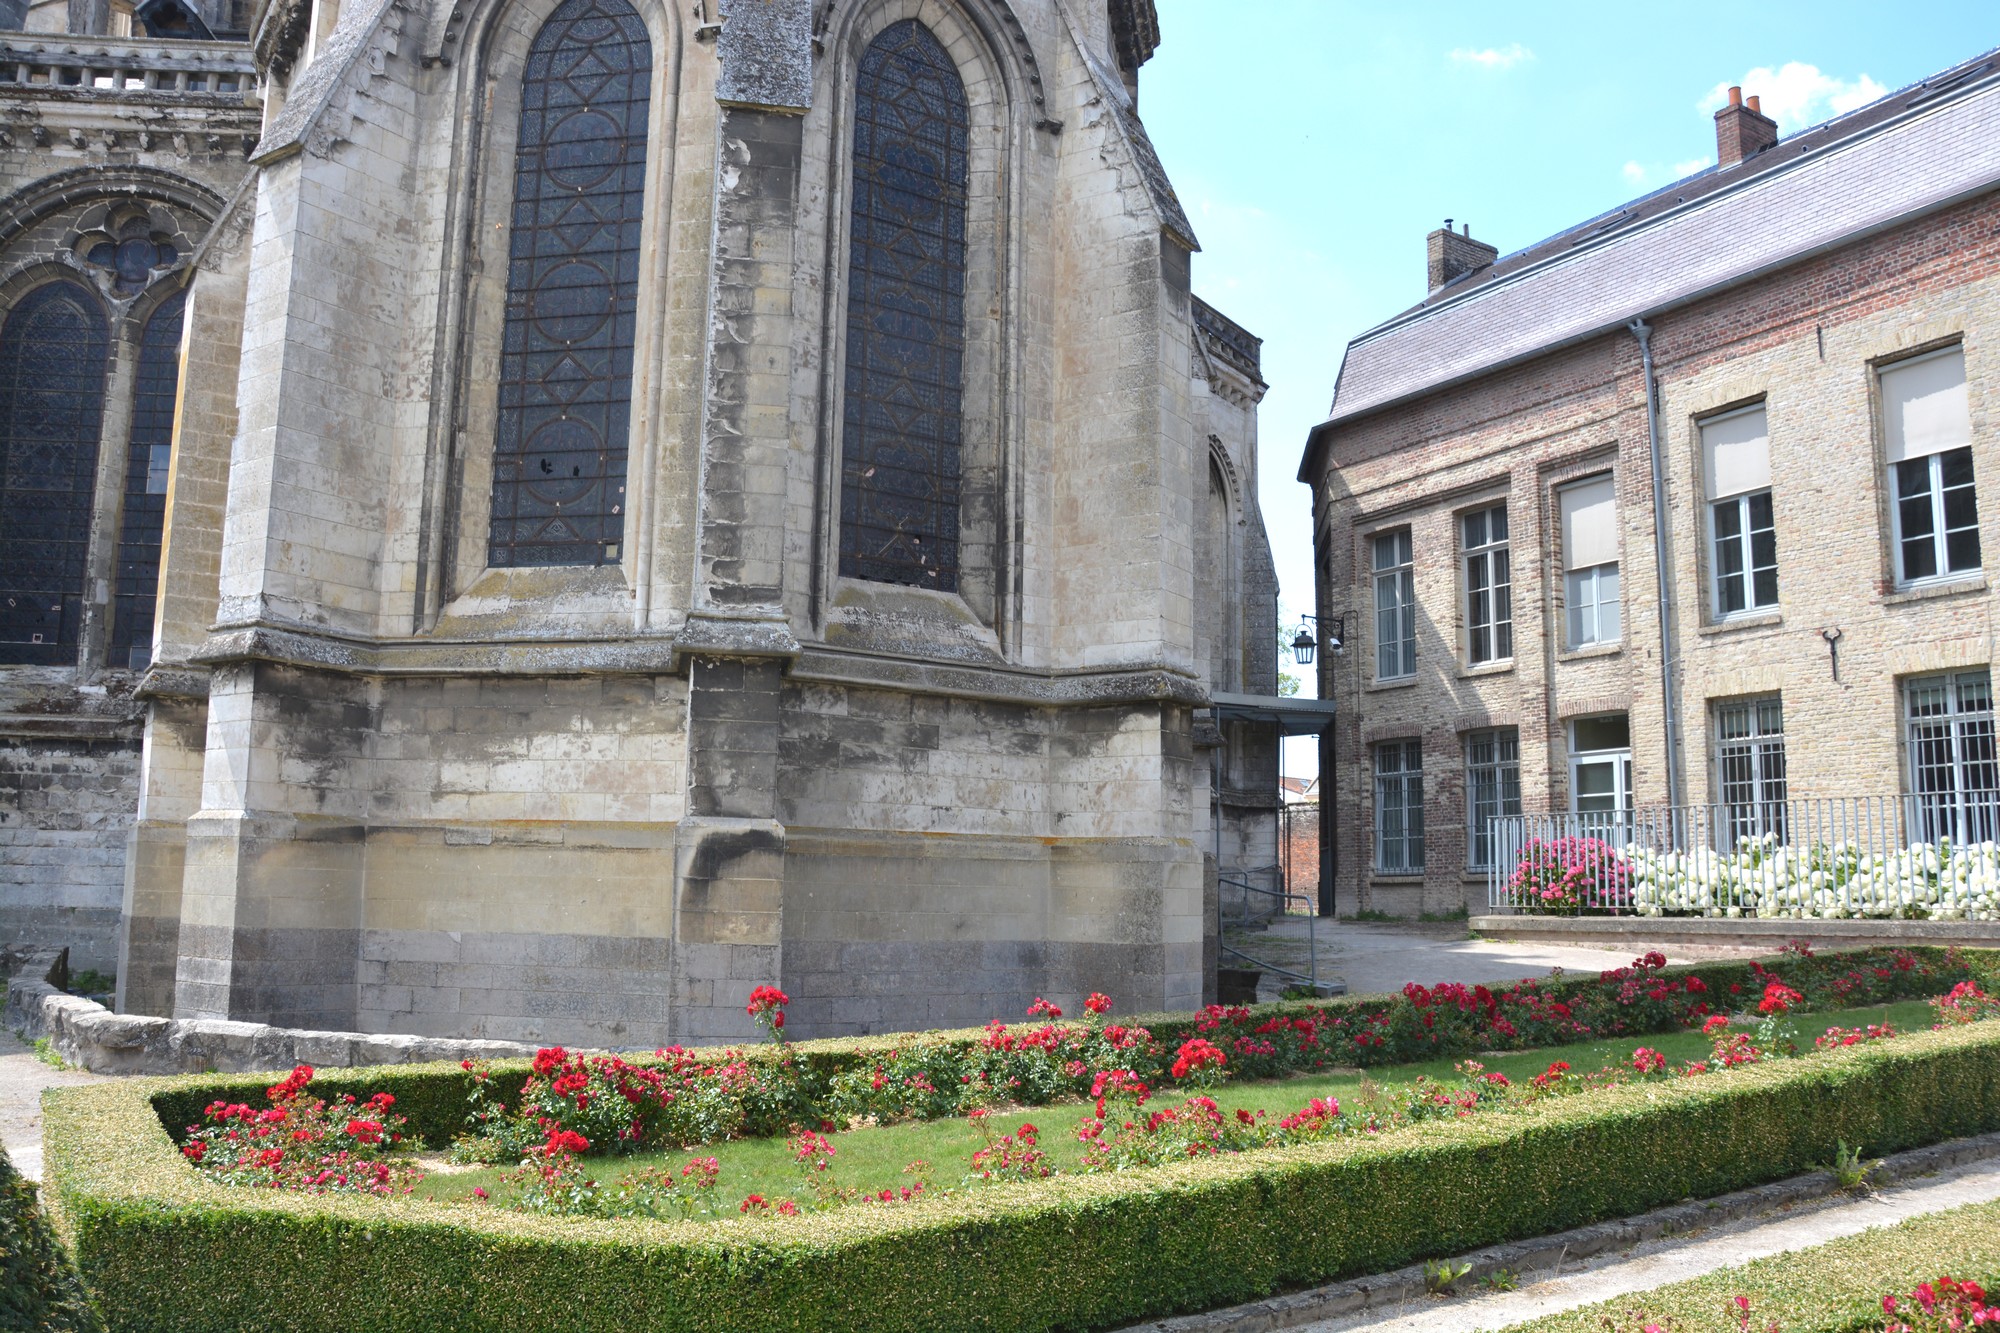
(1661, 549)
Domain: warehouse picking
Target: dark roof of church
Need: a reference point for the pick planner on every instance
(1916, 150)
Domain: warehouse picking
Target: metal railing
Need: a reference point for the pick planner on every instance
(1248, 896)
(1926, 856)
(68, 64)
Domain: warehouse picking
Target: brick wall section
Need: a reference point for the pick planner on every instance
(1804, 340)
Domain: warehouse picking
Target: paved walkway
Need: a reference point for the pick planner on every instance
(1658, 1263)
(1374, 958)
(22, 1078)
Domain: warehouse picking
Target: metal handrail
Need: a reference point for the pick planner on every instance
(1241, 881)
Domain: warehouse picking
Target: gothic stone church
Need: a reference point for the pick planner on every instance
(529, 518)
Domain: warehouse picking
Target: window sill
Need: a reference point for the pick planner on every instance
(1591, 650)
(1924, 592)
(1758, 620)
(1389, 879)
(1399, 683)
(1499, 668)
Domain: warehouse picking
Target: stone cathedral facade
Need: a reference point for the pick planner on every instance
(529, 518)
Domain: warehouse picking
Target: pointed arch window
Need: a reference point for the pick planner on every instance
(902, 414)
(147, 457)
(54, 348)
(572, 290)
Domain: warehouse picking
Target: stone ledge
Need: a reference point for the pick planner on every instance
(1343, 1299)
(88, 1035)
(1733, 932)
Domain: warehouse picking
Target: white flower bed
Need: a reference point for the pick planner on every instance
(1928, 881)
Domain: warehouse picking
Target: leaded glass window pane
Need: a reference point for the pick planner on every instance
(146, 461)
(901, 420)
(572, 290)
(53, 351)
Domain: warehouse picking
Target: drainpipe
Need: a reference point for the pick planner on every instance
(1661, 530)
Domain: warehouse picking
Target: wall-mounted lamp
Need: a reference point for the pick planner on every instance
(1308, 640)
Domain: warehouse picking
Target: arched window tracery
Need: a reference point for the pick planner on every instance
(572, 290)
(54, 349)
(902, 415)
(148, 455)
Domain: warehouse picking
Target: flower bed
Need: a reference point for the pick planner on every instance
(1125, 1245)
(1838, 1287)
(1938, 881)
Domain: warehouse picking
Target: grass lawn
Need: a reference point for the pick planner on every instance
(873, 1157)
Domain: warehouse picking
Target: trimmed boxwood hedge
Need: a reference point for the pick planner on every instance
(1832, 1288)
(38, 1287)
(163, 1248)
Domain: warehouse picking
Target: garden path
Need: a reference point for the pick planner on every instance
(1372, 959)
(1676, 1259)
(22, 1078)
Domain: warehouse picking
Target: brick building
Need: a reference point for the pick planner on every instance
(1687, 504)
(566, 510)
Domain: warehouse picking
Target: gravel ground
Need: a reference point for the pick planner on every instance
(1372, 959)
(22, 1078)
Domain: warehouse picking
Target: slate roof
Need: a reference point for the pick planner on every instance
(1919, 149)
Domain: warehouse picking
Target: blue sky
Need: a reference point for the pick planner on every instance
(1316, 142)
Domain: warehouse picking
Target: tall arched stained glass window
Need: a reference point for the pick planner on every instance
(572, 290)
(146, 460)
(905, 315)
(53, 353)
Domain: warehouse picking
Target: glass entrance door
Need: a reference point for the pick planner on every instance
(1600, 776)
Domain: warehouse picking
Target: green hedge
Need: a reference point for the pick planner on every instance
(1832, 1288)
(38, 1285)
(435, 1102)
(163, 1248)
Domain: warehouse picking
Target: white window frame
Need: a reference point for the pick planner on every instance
(1487, 568)
(1585, 593)
(1396, 622)
(1750, 781)
(1951, 769)
(1744, 542)
(1940, 535)
(1616, 821)
(1399, 790)
(1492, 789)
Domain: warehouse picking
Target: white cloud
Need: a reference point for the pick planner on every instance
(1493, 57)
(1797, 94)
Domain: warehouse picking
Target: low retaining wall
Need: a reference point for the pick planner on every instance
(1735, 934)
(92, 1037)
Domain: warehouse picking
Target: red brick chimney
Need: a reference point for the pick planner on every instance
(1742, 131)
(1454, 254)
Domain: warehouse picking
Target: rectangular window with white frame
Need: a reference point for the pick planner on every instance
(1590, 562)
(1927, 435)
(1399, 807)
(1489, 590)
(1492, 788)
(1742, 527)
(1954, 769)
(1395, 606)
(1750, 767)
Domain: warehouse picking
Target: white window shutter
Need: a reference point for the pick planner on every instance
(1924, 408)
(1589, 524)
(1736, 454)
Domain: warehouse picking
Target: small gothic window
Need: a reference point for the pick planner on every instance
(132, 255)
(905, 315)
(572, 290)
(53, 351)
(146, 462)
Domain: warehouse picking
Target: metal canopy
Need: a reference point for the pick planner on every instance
(1294, 717)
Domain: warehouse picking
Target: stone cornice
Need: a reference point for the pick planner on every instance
(318, 650)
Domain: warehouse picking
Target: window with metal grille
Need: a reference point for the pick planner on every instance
(1395, 606)
(901, 414)
(1492, 788)
(53, 354)
(1399, 806)
(1954, 771)
(1489, 600)
(572, 290)
(1750, 767)
(147, 456)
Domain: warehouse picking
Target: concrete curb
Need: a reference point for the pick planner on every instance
(1763, 933)
(1389, 1289)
